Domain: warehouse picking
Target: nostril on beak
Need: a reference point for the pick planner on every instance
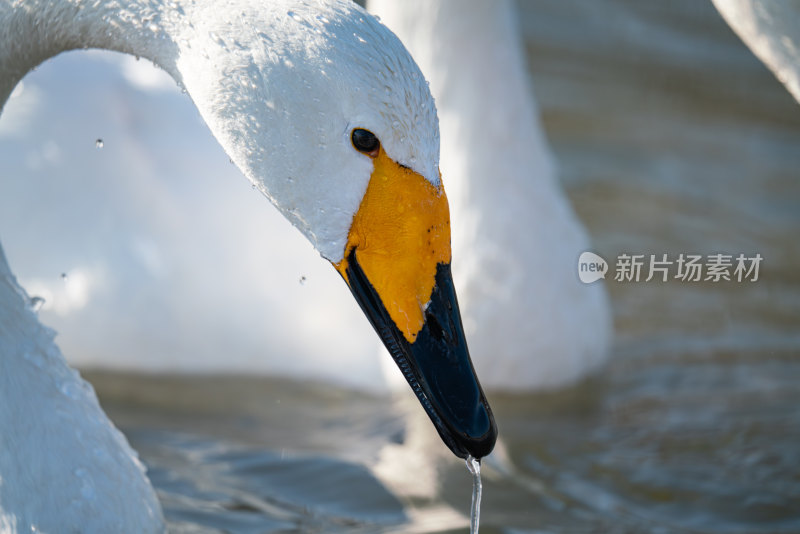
(439, 332)
(434, 327)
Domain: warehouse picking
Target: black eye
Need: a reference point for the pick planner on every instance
(366, 142)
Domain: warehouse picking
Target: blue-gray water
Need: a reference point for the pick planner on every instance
(693, 443)
(671, 138)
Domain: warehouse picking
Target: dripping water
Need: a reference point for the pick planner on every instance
(474, 467)
(35, 304)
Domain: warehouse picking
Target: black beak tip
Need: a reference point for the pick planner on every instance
(477, 441)
(436, 364)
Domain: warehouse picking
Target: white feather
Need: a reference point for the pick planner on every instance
(772, 31)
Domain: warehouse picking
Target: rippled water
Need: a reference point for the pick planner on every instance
(673, 138)
(695, 443)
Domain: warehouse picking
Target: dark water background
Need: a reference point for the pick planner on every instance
(651, 445)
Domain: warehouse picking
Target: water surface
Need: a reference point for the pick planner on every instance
(695, 443)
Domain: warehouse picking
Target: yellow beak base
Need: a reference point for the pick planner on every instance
(401, 232)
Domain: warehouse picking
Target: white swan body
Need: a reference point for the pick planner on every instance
(327, 114)
(64, 467)
(531, 323)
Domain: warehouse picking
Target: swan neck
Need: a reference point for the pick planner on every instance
(32, 31)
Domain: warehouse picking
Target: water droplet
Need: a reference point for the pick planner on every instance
(395, 124)
(36, 359)
(71, 389)
(18, 90)
(99, 143)
(214, 36)
(474, 467)
(302, 280)
(35, 304)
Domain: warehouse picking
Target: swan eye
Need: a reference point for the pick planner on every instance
(365, 142)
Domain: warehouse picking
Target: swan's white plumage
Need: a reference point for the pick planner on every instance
(325, 77)
(63, 465)
(281, 85)
(516, 240)
(772, 31)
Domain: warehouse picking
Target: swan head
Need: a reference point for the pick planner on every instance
(328, 115)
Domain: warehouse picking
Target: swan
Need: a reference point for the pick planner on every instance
(531, 323)
(326, 113)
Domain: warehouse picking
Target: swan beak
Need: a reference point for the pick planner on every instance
(397, 265)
